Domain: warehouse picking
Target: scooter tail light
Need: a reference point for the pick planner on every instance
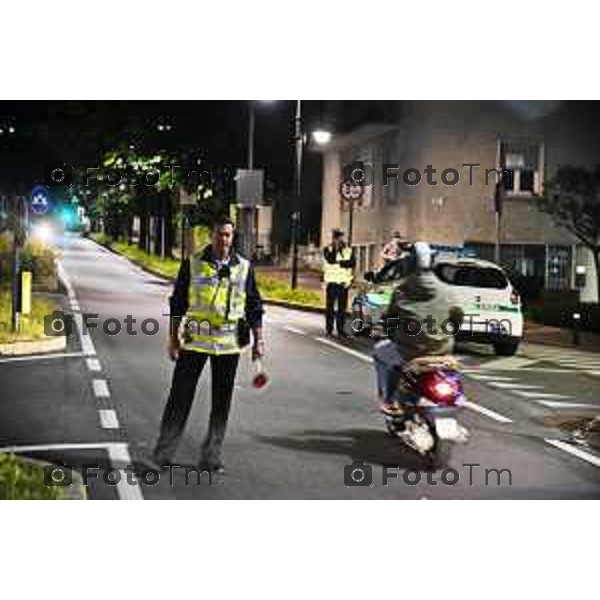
(439, 389)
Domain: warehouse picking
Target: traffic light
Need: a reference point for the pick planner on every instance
(68, 216)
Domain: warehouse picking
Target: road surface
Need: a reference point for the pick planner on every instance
(100, 402)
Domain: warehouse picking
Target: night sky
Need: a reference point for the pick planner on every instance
(77, 132)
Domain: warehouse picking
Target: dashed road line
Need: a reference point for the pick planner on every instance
(87, 345)
(489, 377)
(553, 404)
(93, 364)
(514, 386)
(100, 388)
(578, 452)
(294, 330)
(487, 412)
(510, 363)
(108, 419)
(542, 395)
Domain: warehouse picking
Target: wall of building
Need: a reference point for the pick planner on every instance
(448, 135)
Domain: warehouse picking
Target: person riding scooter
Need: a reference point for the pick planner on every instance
(420, 321)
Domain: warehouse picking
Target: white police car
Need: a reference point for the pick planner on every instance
(491, 305)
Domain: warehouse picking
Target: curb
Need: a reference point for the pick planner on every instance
(53, 344)
(134, 262)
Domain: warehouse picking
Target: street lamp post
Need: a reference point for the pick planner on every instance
(297, 193)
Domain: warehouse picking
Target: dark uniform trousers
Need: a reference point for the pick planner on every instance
(188, 369)
(336, 293)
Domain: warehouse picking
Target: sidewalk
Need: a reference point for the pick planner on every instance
(535, 333)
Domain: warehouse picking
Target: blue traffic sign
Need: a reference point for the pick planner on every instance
(40, 202)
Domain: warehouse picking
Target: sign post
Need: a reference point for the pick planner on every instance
(351, 192)
(185, 200)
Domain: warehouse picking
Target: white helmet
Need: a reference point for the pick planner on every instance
(423, 256)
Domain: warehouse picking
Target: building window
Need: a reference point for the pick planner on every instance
(558, 267)
(523, 166)
(388, 154)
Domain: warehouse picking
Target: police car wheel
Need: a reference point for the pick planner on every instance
(506, 348)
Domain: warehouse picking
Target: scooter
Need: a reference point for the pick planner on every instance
(431, 395)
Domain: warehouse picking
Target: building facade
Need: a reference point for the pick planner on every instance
(427, 179)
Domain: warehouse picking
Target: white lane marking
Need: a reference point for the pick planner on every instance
(491, 377)
(86, 340)
(349, 351)
(578, 452)
(67, 282)
(528, 370)
(87, 345)
(41, 357)
(119, 457)
(510, 363)
(487, 412)
(552, 404)
(93, 364)
(108, 419)
(594, 373)
(100, 388)
(542, 395)
(45, 447)
(515, 386)
(294, 330)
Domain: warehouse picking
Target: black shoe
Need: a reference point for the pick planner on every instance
(162, 461)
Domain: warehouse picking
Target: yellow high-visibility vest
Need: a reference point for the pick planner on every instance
(334, 273)
(216, 305)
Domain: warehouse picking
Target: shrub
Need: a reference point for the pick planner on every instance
(23, 480)
(274, 289)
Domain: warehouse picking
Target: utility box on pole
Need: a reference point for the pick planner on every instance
(249, 195)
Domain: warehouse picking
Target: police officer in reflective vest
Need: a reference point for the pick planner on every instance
(338, 264)
(215, 304)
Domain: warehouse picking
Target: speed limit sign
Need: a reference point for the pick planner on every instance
(350, 191)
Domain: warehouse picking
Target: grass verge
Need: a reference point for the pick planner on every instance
(270, 287)
(23, 480)
(165, 268)
(31, 327)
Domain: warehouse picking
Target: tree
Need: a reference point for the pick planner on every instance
(572, 199)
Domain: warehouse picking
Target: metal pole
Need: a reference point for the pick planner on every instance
(497, 244)
(297, 193)
(15, 266)
(183, 217)
(350, 222)
(251, 138)
(500, 200)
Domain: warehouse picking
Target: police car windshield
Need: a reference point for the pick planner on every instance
(471, 276)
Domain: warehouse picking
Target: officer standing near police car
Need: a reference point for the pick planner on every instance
(216, 304)
(338, 266)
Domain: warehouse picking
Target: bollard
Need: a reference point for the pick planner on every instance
(576, 320)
